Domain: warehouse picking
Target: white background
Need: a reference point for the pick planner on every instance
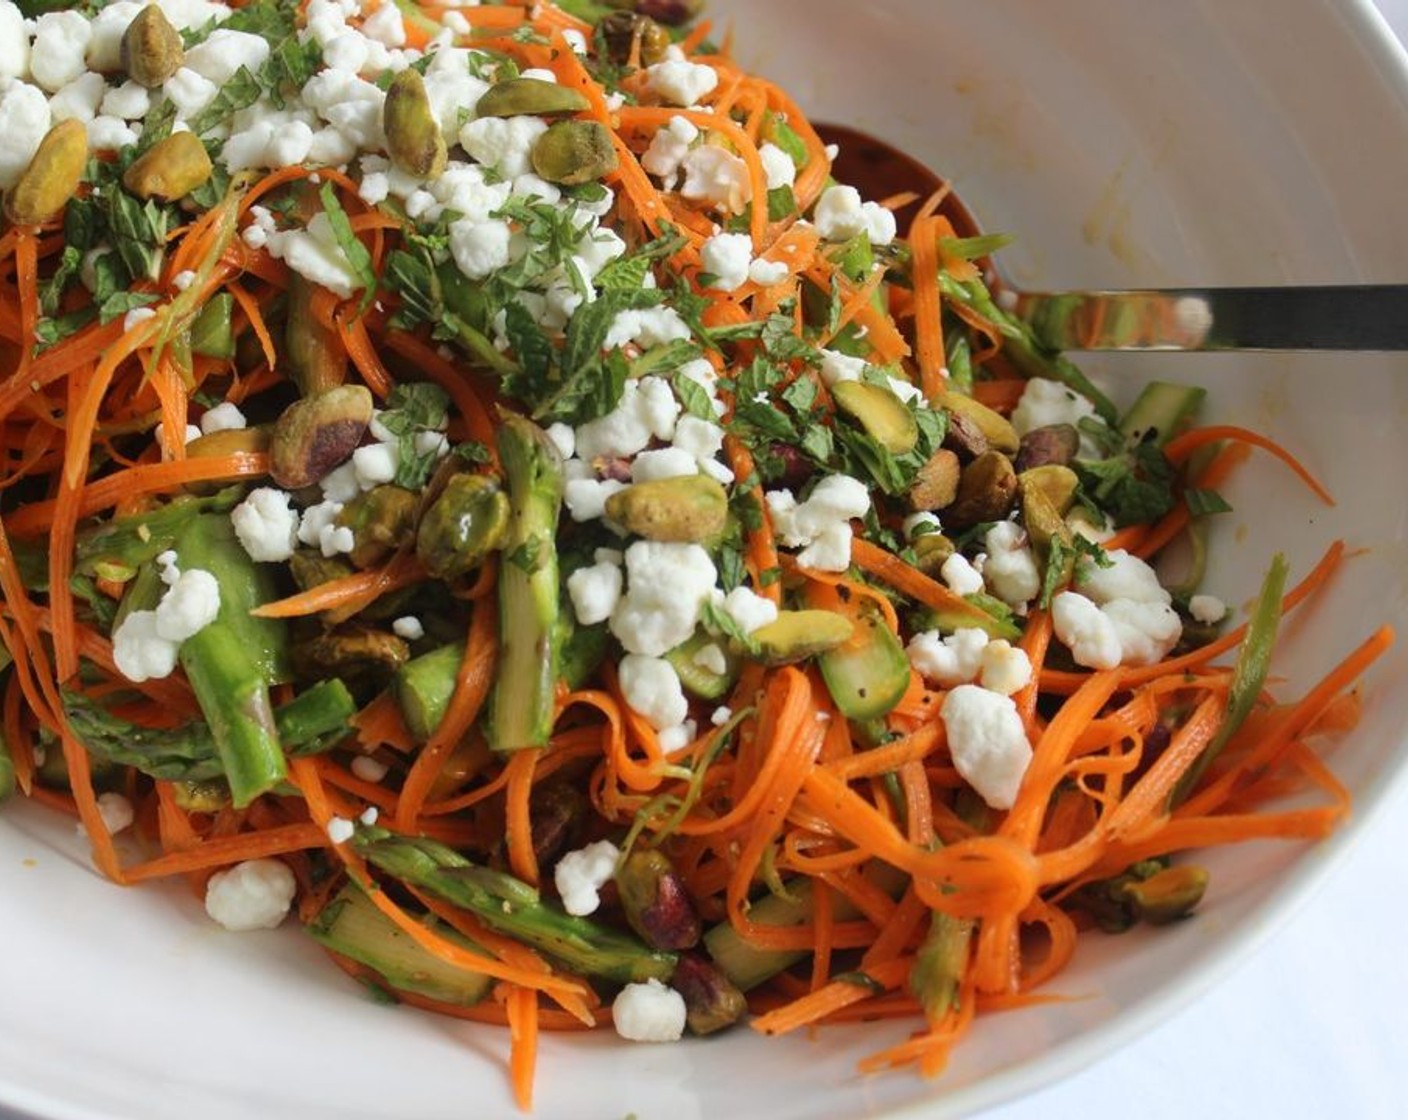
(1313, 1025)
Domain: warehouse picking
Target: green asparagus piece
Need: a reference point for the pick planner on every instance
(424, 686)
(521, 706)
(116, 549)
(1248, 675)
(310, 723)
(232, 662)
(351, 925)
(7, 769)
(512, 907)
(940, 963)
(212, 330)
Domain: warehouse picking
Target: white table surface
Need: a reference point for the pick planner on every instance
(1312, 1026)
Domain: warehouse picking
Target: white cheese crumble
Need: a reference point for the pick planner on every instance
(777, 166)
(595, 592)
(255, 894)
(681, 83)
(988, 742)
(652, 688)
(1011, 571)
(666, 586)
(580, 875)
(749, 610)
(667, 150)
(841, 215)
(649, 1012)
(960, 575)
(341, 830)
(1207, 609)
(820, 526)
(948, 661)
(369, 769)
(224, 417)
(1121, 615)
(188, 606)
(726, 257)
(409, 627)
(716, 177)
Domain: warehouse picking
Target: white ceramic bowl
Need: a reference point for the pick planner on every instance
(1126, 143)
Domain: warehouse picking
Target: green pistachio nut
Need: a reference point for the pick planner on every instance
(317, 433)
(151, 50)
(1000, 434)
(935, 484)
(621, 31)
(1047, 493)
(381, 520)
(797, 635)
(1168, 895)
(518, 97)
(880, 412)
(931, 551)
(464, 524)
(414, 140)
(574, 152)
(689, 508)
(310, 568)
(170, 169)
(986, 491)
(52, 177)
(358, 654)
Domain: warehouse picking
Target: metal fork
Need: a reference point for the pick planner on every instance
(1291, 317)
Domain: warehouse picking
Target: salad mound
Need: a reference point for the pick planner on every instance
(478, 485)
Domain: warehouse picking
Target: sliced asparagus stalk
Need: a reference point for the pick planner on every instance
(351, 925)
(232, 662)
(311, 722)
(424, 686)
(521, 706)
(511, 906)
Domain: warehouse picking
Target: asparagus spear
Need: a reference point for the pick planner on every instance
(118, 548)
(424, 686)
(311, 722)
(512, 907)
(521, 707)
(232, 662)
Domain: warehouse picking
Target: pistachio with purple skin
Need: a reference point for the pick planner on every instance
(964, 438)
(318, 433)
(711, 1000)
(557, 811)
(1050, 445)
(656, 903)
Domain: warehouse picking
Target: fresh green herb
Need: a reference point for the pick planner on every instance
(240, 92)
(352, 248)
(1134, 485)
(1205, 503)
(631, 270)
(721, 622)
(52, 290)
(971, 248)
(413, 408)
(156, 125)
(693, 398)
(1061, 560)
(120, 303)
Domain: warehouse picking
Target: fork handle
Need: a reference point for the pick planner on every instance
(1305, 317)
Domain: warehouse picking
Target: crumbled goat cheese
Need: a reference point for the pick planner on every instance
(667, 150)
(188, 606)
(646, 328)
(749, 609)
(665, 462)
(1133, 602)
(341, 830)
(667, 584)
(585, 498)
(24, 121)
(948, 661)
(960, 575)
(716, 177)
(224, 52)
(255, 894)
(919, 524)
(820, 526)
(79, 99)
(503, 143)
(315, 255)
(1207, 609)
(681, 83)
(409, 627)
(369, 769)
(375, 464)
(1045, 402)
(595, 592)
(841, 215)
(1006, 669)
(777, 166)
(766, 273)
(140, 653)
(649, 1012)
(224, 417)
(647, 409)
(836, 367)
(580, 875)
(14, 43)
(721, 715)
(651, 686)
(711, 659)
(116, 812)
(1011, 572)
(57, 55)
(727, 257)
(988, 742)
